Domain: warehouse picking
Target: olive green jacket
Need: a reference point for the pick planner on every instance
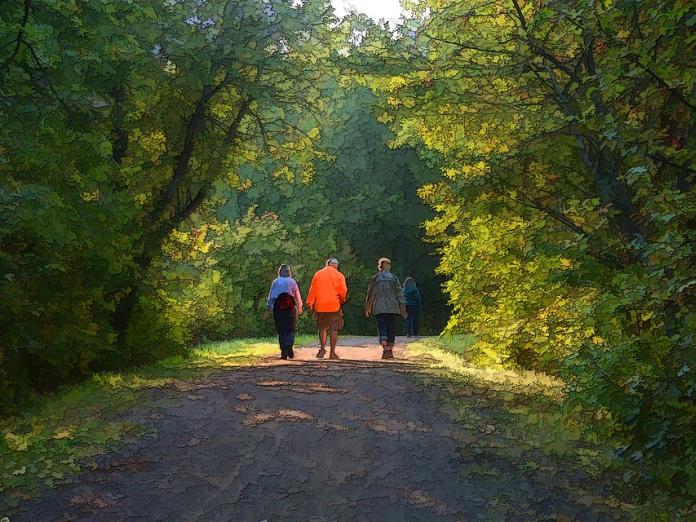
(384, 295)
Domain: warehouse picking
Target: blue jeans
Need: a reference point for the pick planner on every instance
(285, 321)
(386, 325)
(412, 320)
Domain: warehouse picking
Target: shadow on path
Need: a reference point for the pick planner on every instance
(355, 439)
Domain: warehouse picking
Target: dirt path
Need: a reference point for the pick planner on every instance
(311, 440)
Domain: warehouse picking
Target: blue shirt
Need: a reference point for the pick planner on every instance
(413, 296)
(284, 285)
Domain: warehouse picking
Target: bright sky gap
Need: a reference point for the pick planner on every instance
(389, 10)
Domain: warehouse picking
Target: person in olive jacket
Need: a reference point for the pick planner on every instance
(385, 302)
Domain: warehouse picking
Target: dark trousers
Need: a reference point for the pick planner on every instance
(285, 321)
(386, 325)
(412, 320)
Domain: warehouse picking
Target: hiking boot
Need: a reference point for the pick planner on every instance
(334, 356)
(321, 353)
(388, 354)
(291, 353)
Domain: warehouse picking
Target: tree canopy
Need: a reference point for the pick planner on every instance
(530, 162)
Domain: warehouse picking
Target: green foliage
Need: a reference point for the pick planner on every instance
(61, 433)
(159, 160)
(565, 212)
(117, 122)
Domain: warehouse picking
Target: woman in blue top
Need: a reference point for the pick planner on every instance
(285, 301)
(414, 304)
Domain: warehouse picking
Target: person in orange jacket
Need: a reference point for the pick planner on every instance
(327, 294)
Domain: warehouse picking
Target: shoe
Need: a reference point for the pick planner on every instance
(334, 356)
(387, 354)
(321, 353)
(291, 353)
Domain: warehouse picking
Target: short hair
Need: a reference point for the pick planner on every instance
(284, 270)
(409, 282)
(383, 261)
(332, 261)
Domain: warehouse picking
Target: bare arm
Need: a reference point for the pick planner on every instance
(298, 297)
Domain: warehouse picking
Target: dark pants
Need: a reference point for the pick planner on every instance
(285, 321)
(386, 325)
(412, 320)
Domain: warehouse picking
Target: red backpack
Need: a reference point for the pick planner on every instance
(284, 302)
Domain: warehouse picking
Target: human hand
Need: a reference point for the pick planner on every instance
(266, 314)
(367, 314)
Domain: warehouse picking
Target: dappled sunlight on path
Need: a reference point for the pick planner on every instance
(350, 349)
(353, 439)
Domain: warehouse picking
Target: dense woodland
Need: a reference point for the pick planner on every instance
(530, 162)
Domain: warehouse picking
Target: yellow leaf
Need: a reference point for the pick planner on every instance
(63, 434)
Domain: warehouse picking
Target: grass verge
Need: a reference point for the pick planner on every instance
(513, 410)
(518, 416)
(60, 432)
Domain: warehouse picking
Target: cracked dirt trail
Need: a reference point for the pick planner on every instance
(307, 440)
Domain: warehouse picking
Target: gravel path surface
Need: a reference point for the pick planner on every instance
(308, 440)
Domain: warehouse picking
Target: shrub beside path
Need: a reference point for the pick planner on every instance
(319, 440)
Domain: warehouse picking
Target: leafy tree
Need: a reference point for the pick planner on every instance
(566, 204)
(117, 121)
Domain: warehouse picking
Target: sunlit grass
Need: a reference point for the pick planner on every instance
(520, 405)
(455, 361)
(58, 434)
(507, 408)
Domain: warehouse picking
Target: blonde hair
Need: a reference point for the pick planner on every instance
(383, 261)
(284, 270)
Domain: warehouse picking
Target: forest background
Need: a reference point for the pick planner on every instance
(159, 159)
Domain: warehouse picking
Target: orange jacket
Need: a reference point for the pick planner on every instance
(328, 290)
